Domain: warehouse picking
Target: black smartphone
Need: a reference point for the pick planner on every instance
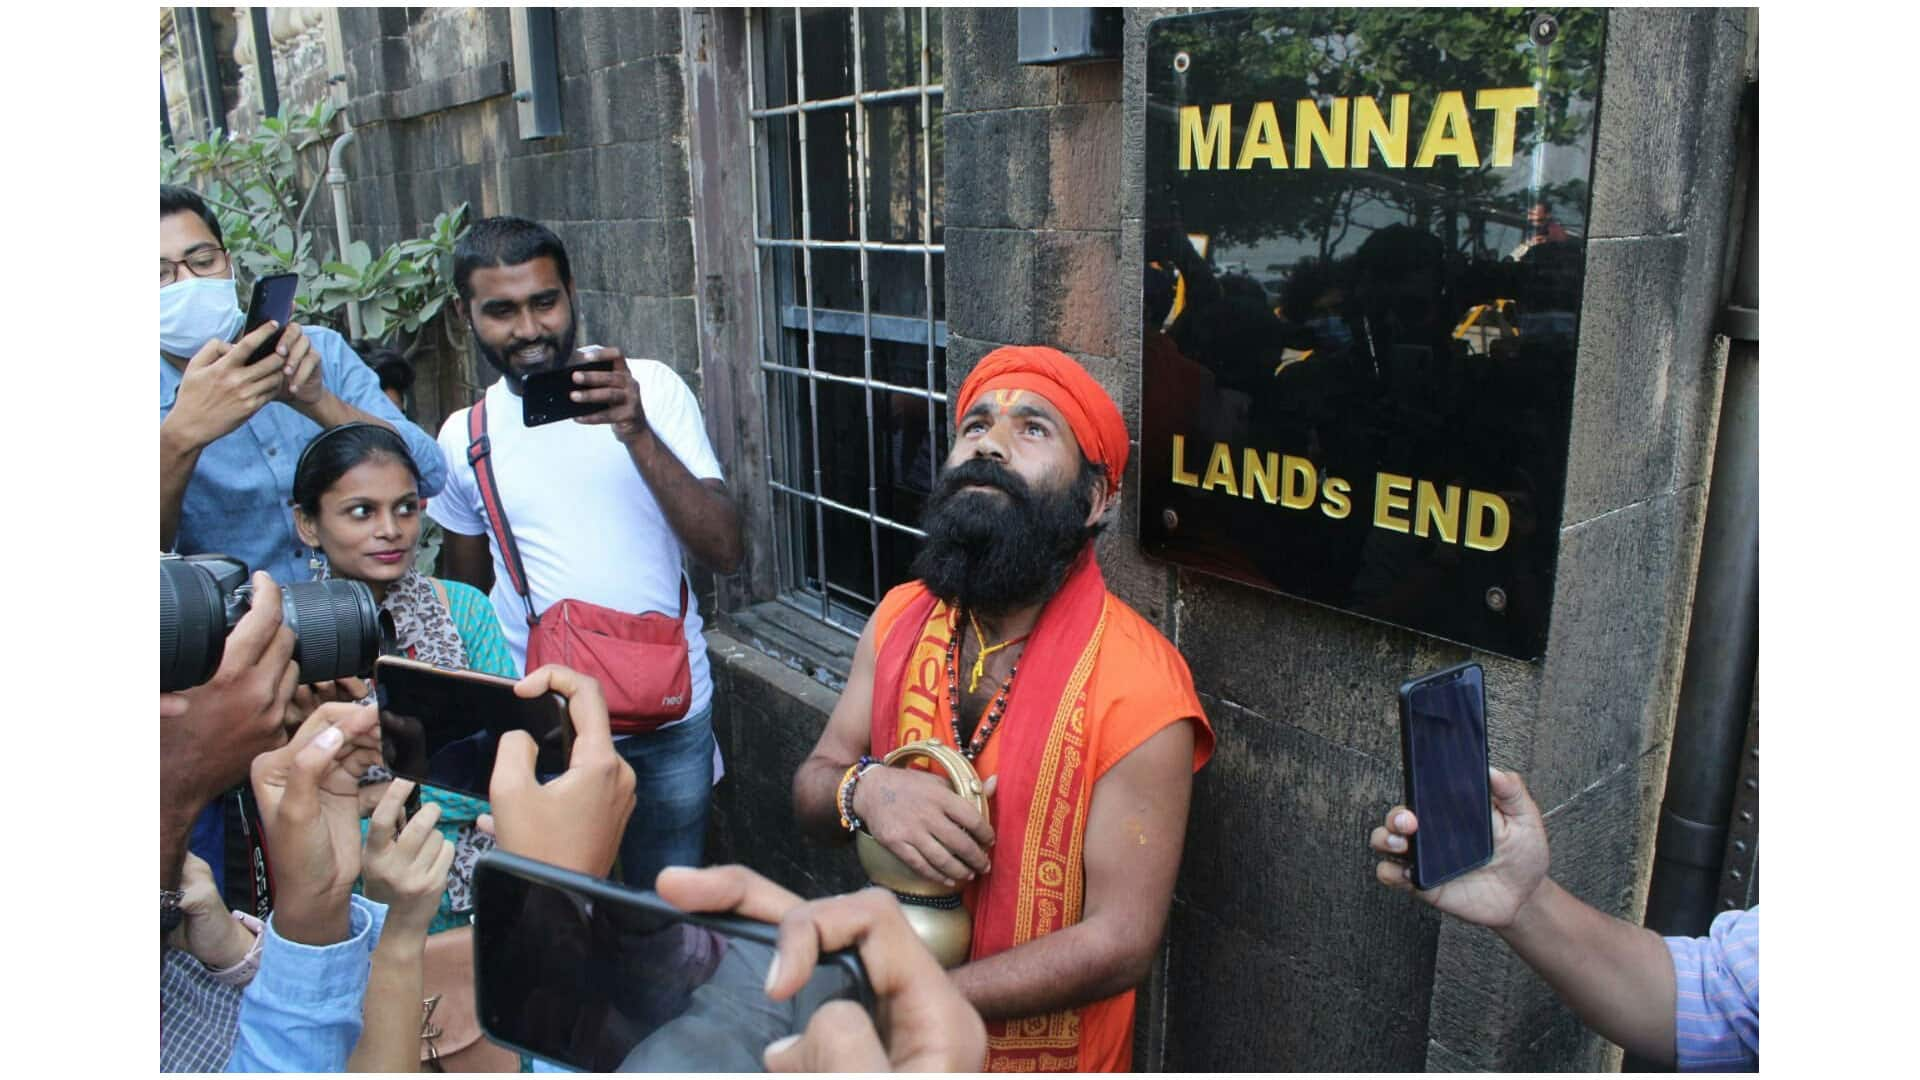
(1443, 759)
(442, 727)
(601, 977)
(545, 399)
(272, 300)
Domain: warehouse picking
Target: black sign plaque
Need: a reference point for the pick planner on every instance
(1365, 252)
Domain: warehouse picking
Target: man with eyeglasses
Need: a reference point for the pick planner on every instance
(231, 431)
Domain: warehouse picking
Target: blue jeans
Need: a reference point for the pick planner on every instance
(673, 790)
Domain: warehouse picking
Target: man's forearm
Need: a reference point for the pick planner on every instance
(178, 458)
(704, 519)
(176, 828)
(816, 787)
(1618, 978)
(1061, 970)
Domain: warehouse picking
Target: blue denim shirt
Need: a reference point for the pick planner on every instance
(301, 1012)
(236, 503)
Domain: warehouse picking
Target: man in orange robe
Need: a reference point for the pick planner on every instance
(1078, 715)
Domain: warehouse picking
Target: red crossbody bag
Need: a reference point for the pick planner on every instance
(640, 660)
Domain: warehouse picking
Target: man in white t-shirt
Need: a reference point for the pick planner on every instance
(603, 507)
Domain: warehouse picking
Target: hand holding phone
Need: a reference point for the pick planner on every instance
(931, 1027)
(1443, 756)
(272, 301)
(576, 820)
(599, 976)
(446, 728)
(547, 396)
(1493, 895)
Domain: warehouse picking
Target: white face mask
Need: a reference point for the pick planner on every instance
(196, 311)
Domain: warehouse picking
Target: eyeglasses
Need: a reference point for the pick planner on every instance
(204, 262)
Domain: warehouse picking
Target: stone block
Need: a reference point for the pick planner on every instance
(569, 40)
(1084, 166)
(983, 69)
(599, 107)
(997, 168)
(642, 32)
(1276, 850)
(1128, 319)
(962, 354)
(991, 279)
(597, 32)
(674, 176)
(685, 357)
(620, 187)
(576, 110)
(1646, 382)
(775, 717)
(1073, 292)
(1622, 595)
(1090, 82)
(1326, 672)
(1239, 1002)
(649, 327)
(1664, 149)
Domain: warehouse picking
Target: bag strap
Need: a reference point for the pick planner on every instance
(480, 456)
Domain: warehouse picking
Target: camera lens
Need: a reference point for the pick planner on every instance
(193, 625)
(340, 630)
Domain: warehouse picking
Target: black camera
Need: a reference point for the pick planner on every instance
(338, 629)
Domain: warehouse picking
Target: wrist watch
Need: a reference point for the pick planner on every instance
(171, 914)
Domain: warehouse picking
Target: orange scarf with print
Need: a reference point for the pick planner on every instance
(1039, 808)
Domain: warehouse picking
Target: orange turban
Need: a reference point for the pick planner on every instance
(1094, 418)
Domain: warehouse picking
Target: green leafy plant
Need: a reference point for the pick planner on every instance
(404, 287)
(263, 187)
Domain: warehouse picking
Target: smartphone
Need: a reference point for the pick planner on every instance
(272, 300)
(442, 726)
(1443, 759)
(545, 397)
(602, 977)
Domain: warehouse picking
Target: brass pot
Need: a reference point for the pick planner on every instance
(933, 909)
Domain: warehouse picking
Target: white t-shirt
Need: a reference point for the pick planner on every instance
(586, 523)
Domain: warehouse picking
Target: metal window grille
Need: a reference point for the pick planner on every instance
(846, 136)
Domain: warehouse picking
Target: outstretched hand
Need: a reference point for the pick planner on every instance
(926, 1024)
(406, 864)
(1493, 894)
(308, 791)
(617, 390)
(576, 820)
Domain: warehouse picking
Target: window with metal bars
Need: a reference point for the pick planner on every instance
(846, 123)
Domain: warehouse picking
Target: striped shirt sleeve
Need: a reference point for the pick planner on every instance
(1717, 1001)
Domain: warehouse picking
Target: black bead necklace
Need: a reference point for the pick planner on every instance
(972, 747)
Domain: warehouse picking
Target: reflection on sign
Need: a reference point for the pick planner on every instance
(1364, 262)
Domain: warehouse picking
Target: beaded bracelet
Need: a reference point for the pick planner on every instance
(843, 798)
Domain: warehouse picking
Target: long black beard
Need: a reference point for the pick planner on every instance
(996, 553)
(562, 348)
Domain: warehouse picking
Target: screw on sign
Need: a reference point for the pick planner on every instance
(1181, 61)
(1170, 519)
(1496, 599)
